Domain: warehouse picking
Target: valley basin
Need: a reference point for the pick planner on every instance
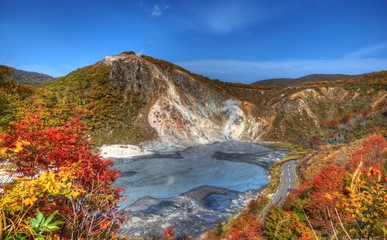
(191, 189)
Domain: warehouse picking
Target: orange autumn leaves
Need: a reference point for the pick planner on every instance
(52, 168)
(349, 199)
(19, 145)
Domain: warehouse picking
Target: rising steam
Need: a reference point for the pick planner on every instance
(230, 108)
(141, 52)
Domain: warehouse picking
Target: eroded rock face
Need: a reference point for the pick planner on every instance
(137, 76)
(180, 108)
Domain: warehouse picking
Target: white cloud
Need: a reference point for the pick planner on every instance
(225, 19)
(369, 51)
(158, 10)
(251, 71)
(227, 16)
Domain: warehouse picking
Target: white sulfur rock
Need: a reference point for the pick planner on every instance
(122, 151)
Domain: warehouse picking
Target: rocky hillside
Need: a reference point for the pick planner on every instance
(131, 99)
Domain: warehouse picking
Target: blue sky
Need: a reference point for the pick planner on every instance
(231, 40)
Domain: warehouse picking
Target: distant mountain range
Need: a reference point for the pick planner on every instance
(30, 78)
(286, 82)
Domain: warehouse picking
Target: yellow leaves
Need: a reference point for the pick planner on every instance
(332, 195)
(29, 201)
(27, 192)
(329, 196)
(73, 194)
(19, 146)
(367, 201)
(3, 150)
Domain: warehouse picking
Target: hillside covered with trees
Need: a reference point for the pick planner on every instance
(341, 194)
(29, 78)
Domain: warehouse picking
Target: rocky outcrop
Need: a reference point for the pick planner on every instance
(180, 108)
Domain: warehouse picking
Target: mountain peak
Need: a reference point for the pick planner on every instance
(122, 56)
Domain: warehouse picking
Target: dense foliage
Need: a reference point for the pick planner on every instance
(12, 96)
(346, 199)
(29, 78)
(107, 109)
(247, 225)
(54, 170)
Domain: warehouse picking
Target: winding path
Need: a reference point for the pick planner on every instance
(288, 181)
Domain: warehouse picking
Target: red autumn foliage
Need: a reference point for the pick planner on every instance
(246, 226)
(330, 179)
(322, 198)
(334, 123)
(168, 233)
(346, 119)
(370, 154)
(94, 213)
(298, 193)
(315, 142)
(324, 195)
(53, 147)
(366, 113)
